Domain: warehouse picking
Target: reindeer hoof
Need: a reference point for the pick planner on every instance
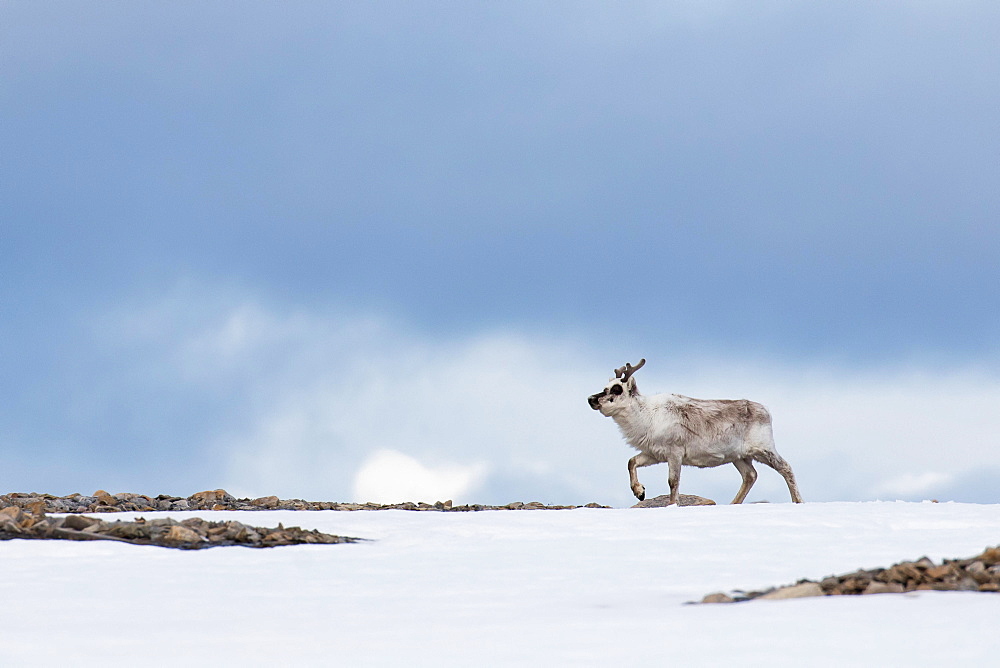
(640, 492)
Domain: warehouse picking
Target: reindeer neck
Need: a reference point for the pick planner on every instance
(634, 423)
(634, 413)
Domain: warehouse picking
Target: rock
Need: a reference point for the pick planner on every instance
(977, 571)
(182, 534)
(210, 498)
(12, 513)
(801, 590)
(990, 557)
(78, 522)
(266, 502)
(902, 573)
(663, 501)
(718, 597)
(940, 572)
(8, 524)
(104, 498)
(133, 530)
(875, 587)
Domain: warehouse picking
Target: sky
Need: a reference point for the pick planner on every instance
(384, 250)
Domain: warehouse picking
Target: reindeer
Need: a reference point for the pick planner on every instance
(680, 431)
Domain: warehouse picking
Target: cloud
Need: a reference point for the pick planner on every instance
(388, 476)
(497, 399)
(913, 484)
(223, 389)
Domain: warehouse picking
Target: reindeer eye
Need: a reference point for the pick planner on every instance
(616, 389)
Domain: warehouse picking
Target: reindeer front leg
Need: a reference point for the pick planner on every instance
(641, 459)
(674, 480)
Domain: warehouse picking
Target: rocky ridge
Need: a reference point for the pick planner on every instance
(219, 499)
(979, 573)
(190, 534)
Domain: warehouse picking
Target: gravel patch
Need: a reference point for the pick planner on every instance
(219, 499)
(979, 573)
(190, 534)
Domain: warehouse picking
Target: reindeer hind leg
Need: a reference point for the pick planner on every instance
(777, 462)
(749, 473)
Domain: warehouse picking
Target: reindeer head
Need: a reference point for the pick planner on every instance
(618, 391)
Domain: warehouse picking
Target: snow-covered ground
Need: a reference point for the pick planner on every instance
(575, 588)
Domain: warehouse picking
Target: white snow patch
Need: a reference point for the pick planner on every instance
(586, 587)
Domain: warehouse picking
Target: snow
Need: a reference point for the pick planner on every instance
(587, 587)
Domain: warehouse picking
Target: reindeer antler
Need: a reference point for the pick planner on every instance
(625, 372)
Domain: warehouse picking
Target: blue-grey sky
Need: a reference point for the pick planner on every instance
(214, 214)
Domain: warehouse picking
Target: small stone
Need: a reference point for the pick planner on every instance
(9, 525)
(663, 501)
(78, 522)
(991, 556)
(131, 530)
(940, 572)
(801, 590)
(830, 584)
(901, 573)
(13, 513)
(718, 597)
(182, 534)
(977, 570)
(105, 499)
(266, 502)
(207, 497)
(876, 587)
